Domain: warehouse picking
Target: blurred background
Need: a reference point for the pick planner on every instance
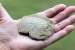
(19, 8)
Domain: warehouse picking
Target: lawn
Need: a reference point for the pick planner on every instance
(19, 8)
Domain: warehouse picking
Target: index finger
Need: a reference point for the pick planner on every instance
(53, 11)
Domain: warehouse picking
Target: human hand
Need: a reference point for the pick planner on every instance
(59, 14)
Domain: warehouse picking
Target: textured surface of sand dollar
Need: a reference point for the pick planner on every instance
(38, 27)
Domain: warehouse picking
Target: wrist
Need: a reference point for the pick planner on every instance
(4, 46)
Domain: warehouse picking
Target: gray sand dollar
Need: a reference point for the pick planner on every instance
(38, 27)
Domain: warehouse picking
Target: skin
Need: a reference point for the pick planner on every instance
(59, 14)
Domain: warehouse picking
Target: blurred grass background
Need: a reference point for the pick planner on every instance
(19, 8)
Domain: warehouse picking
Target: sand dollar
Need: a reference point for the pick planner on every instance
(38, 27)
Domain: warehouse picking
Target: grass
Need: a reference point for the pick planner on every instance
(19, 8)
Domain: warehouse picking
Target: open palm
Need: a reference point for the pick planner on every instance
(59, 14)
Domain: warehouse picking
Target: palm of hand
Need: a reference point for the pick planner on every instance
(14, 40)
(10, 35)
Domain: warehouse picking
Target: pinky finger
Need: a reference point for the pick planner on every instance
(57, 36)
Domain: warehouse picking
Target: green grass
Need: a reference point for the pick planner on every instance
(19, 8)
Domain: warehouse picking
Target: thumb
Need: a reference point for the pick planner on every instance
(3, 14)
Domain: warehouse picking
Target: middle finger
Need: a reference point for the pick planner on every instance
(65, 23)
(64, 14)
